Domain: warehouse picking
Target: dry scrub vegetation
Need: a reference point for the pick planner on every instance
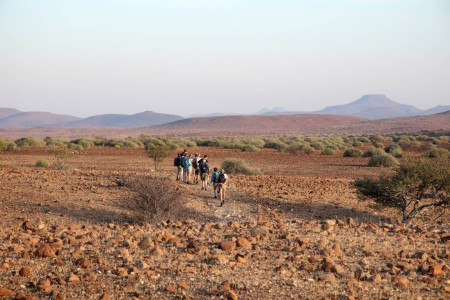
(296, 230)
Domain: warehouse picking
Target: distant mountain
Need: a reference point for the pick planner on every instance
(436, 110)
(372, 107)
(35, 119)
(7, 112)
(262, 124)
(144, 119)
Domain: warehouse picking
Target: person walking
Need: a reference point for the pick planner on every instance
(185, 163)
(204, 171)
(213, 181)
(195, 166)
(178, 168)
(221, 181)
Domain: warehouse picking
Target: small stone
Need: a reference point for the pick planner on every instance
(105, 297)
(231, 295)
(243, 243)
(84, 263)
(328, 277)
(338, 269)
(6, 292)
(25, 272)
(141, 265)
(73, 279)
(401, 281)
(183, 285)
(436, 271)
(44, 250)
(44, 286)
(377, 278)
(145, 243)
(171, 288)
(225, 286)
(227, 245)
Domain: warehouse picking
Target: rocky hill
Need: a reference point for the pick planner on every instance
(372, 107)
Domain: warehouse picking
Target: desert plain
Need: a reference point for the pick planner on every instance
(297, 231)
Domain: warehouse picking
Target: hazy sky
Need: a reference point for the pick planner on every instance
(87, 57)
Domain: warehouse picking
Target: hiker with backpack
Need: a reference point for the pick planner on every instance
(221, 181)
(186, 165)
(177, 165)
(213, 181)
(204, 171)
(195, 166)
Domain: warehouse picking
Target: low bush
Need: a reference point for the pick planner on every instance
(395, 150)
(372, 151)
(42, 163)
(308, 150)
(378, 145)
(416, 186)
(437, 152)
(352, 152)
(154, 199)
(238, 166)
(250, 148)
(6, 145)
(383, 160)
(328, 151)
(29, 142)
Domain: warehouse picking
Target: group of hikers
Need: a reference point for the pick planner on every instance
(194, 167)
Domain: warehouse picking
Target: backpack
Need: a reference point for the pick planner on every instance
(221, 178)
(204, 166)
(177, 161)
(185, 162)
(195, 163)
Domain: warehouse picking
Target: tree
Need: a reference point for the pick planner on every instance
(157, 153)
(416, 187)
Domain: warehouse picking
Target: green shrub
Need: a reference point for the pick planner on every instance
(29, 142)
(42, 163)
(373, 151)
(294, 148)
(308, 150)
(238, 166)
(316, 145)
(352, 152)
(7, 145)
(54, 142)
(395, 150)
(416, 186)
(75, 147)
(275, 144)
(328, 151)
(250, 148)
(357, 144)
(86, 143)
(437, 152)
(379, 145)
(383, 160)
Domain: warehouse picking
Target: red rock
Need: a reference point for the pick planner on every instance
(44, 285)
(328, 277)
(401, 281)
(243, 243)
(44, 250)
(25, 272)
(6, 292)
(84, 263)
(436, 271)
(171, 288)
(183, 285)
(73, 279)
(105, 297)
(225, 286)
(302, 240)
(230, 295)
(227, 245)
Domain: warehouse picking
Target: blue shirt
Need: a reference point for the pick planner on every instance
(213, 177)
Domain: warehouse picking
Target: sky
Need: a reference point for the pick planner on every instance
(89, 57)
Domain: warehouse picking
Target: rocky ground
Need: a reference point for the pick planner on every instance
(296, 232)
